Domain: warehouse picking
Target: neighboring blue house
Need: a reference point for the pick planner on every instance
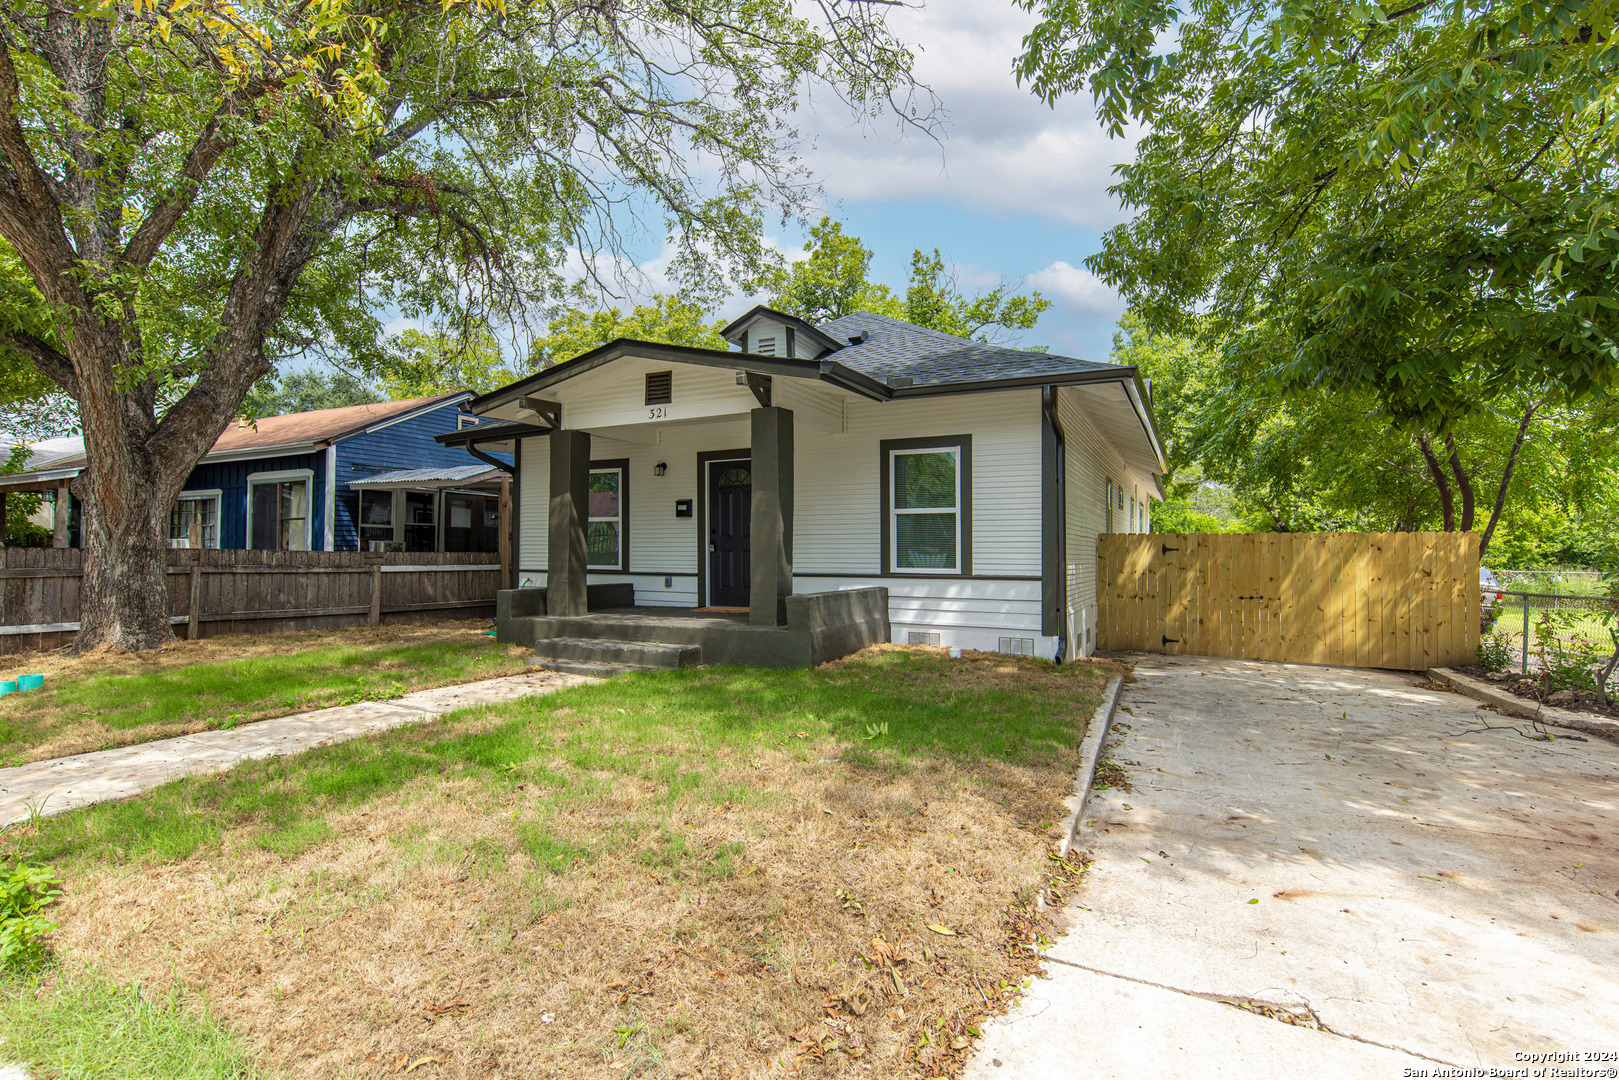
(363, 476)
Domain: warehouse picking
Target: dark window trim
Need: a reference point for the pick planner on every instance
(703, 459)
(623, 467)
(963, 444)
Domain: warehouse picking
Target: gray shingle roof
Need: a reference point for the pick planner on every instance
(894, 348)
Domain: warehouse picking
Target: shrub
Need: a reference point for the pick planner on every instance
(27, 889)
(1495, 652)
(1569, 659)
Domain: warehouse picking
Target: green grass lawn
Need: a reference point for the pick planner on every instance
(665, 865)
(89, 1029)
(891, 712)
(85, 710)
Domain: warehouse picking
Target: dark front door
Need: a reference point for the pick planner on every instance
(730, 521)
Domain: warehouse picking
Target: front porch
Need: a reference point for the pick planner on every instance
(616, 635)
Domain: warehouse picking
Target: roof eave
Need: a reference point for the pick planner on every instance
(491, 433)
(787, 367)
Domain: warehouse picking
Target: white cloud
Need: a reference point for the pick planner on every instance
(1001, 149)
(1078, 292)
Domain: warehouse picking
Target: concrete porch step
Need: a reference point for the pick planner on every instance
(629, 655)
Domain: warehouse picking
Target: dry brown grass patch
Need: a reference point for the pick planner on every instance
(820, 920)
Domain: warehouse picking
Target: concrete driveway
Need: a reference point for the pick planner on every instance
(1345, 850)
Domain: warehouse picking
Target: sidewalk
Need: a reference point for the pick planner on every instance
(67, 783)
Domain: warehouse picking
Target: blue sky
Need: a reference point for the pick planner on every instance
(1008, 189)
(1012, 189)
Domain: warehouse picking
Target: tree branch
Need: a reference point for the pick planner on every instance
(51, 364)
(1506, 476)
(165, 216)
(1436, 473)
(1464, 484)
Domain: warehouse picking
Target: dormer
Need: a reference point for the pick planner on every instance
(768, 332)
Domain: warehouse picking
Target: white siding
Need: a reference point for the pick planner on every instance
(837, 541)
(1091, 462)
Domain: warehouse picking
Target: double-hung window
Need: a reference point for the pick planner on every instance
(606, 533)
(927, 516)
(278, 510)
(194, 520)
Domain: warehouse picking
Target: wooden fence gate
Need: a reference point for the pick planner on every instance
(1408, 601)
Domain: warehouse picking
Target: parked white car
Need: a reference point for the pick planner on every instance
(1491, 596)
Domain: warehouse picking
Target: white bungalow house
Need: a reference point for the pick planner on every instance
(967, 480)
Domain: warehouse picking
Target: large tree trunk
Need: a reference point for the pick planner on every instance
(124, 592)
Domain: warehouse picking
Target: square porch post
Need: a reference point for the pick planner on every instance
(569, 515)
(772, 523)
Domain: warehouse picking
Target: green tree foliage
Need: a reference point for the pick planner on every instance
(423, 363)
(835, 281)
(16, 528)
(307, 391)
(668, 320)
(1413, 203)
(1327, 461)
(197, 191)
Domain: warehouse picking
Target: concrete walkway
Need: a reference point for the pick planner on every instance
(1405, 870)
(66, 783)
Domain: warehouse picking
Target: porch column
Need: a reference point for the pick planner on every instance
(772, 524)
(569, 515)
(64, 505)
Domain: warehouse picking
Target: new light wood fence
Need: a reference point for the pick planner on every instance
(1407, 601)
(253, 592)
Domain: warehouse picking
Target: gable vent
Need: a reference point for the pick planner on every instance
(766, 346)
(660, 387)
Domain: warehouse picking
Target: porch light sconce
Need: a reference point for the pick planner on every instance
(660, 468)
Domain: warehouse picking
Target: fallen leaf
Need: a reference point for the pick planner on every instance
(945, 930)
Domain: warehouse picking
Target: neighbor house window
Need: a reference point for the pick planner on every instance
(194, 520)
(606, 539)
(927, 519)
(421, 521)
(278, 511)
(376, 519)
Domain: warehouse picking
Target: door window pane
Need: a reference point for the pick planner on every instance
(603, 545)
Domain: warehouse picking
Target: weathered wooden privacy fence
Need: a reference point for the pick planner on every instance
(1407, 601)
(253, 592)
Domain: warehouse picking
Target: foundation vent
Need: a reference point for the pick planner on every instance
(1017, 646)
(918, 637)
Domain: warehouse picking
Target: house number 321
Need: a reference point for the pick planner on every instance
(657, 413)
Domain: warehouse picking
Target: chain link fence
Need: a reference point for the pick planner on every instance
(1557, 632)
